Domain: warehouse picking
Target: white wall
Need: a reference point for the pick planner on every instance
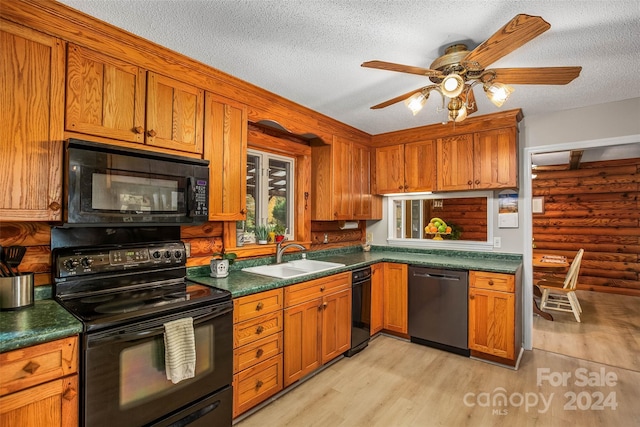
(596, 122)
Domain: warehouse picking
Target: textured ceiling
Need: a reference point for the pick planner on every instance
(310, 51)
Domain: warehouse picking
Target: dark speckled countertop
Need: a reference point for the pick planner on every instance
(45, 321)
(240, 283)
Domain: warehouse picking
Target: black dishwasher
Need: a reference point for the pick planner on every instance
(360, 310)
(438, 302)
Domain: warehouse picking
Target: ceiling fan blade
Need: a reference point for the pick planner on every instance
(396, 99)
(520, 30)
(537, 76)
(390, 66)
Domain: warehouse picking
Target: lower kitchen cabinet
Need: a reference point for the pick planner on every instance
(396, 298)
(377, 299)
(257, 352)
(39, 385)
(317, 324)
(494, 324)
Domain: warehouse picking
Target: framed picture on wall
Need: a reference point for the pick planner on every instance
(537, 205)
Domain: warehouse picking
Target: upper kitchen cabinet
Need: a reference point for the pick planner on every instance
(174, 114)
(480, 161)
(105, 96)
(225, 146)
(32, 111)
(340, 178)
(109, 98)
(407, 167)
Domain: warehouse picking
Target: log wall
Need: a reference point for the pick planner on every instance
(597, 208)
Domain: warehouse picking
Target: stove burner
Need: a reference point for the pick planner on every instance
(119, 307)
(97, 298)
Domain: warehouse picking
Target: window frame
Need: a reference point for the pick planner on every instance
(438, 244)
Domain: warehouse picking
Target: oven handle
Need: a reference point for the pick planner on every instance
(123, 335)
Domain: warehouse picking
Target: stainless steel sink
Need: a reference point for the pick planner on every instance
(291, 269)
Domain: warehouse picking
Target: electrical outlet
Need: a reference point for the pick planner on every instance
(187, 249)
(497, 242)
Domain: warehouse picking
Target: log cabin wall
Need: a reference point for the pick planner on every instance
(336, 238)
(469, 214)
(595, 207)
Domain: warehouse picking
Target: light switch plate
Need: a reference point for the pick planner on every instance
(497, 242)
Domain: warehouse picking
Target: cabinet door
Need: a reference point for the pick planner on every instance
(491, 322)
(54, 404)
(105, 96)
(302, 326)
(174, 114)
(225, 146)
(396, 295)
(377, 299)
(360, 182)
(455, 163)
(495, 159)
(342, 168)
(420, 166)
(336, 325)
(32, 117)
(390, 169)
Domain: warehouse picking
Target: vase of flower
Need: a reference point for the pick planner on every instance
(220, 262)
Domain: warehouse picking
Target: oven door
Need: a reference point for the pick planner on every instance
(124, 379)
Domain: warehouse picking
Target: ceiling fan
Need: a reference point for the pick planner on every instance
(455, 73)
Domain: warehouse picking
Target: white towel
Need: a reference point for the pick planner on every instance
(179, 350)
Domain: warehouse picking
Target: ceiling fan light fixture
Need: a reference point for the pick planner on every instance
(416, 101)
(462, 114)
(452, 85)
(498, 93)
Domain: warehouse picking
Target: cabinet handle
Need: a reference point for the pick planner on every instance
(138, 129)
(322, 288)
(54, 206)
(472, 296)
(490, 282)
(70, 393)
(406, 186)
(324, 305)
(260, 306)
(477, 181)
(31, 367)
(259, 384)
(259, 329)
(152, 133)
(243, 211)
(469, 182)
(400, 188)
(260, 352)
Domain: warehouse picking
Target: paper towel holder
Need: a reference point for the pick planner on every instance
(349, 225)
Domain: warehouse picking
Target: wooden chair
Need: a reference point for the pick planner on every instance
(561, 296)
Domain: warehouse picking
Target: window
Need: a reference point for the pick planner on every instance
(468, 216)
(270, 192)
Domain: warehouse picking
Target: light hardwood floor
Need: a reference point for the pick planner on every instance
(397, 383)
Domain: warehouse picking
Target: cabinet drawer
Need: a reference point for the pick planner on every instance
(262, 349)
(252, 306)
(37, 364)
(492, 281)
(252, 330)
(256, 384)
(302, 292)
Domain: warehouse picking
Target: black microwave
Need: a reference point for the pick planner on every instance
(110, 185)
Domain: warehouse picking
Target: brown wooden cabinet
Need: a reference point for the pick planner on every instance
(32, 81)
(377, 298)
(479, 161)
(39, 385)
(493, 323)
(110, 98)
(340, 179)
(317, 324)
(396, 298)
(225, 146)
(407, 167)
(258, 346)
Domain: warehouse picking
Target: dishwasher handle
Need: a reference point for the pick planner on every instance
(436, 276)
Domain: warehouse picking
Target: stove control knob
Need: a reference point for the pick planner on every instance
(167, 254)
(71, 264)
(86, 262)
(156, 254)
(178, 254)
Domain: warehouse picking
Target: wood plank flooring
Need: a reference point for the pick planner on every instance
(397, 383)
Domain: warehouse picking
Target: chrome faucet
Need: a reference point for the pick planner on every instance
(280, 249)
